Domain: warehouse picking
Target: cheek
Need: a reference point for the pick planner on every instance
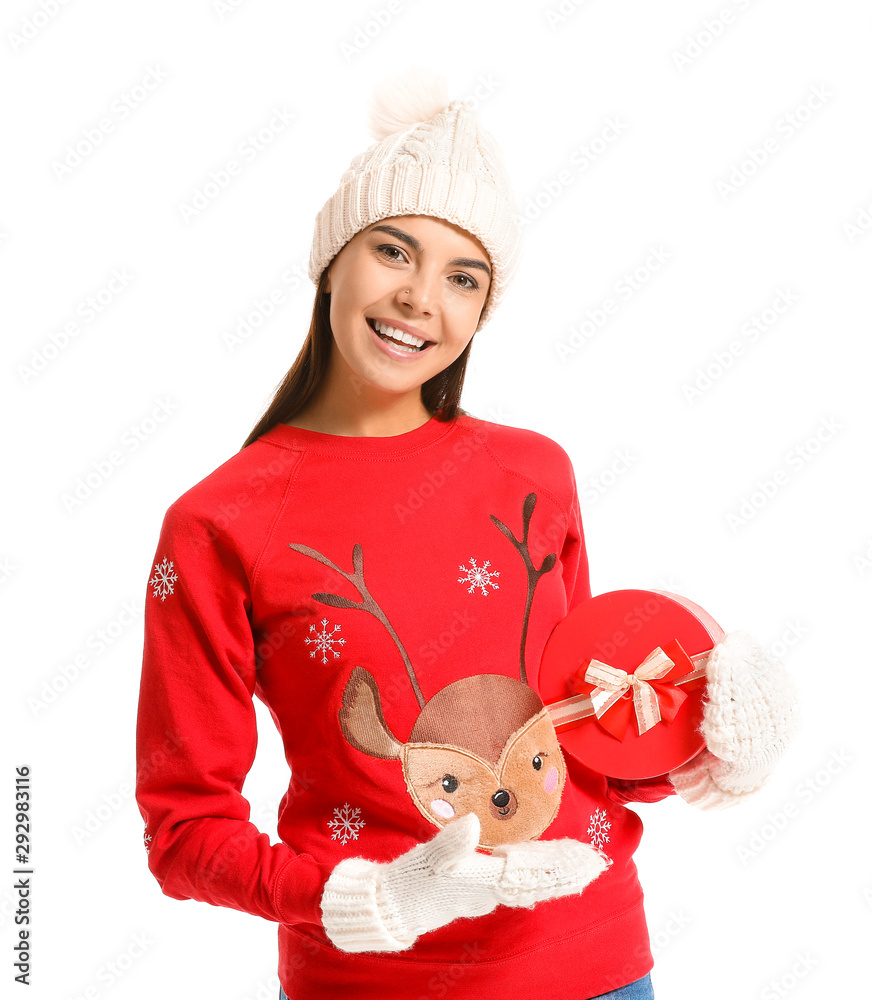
(551, 780)
(442, 808)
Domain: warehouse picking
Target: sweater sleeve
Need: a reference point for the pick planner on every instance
(625, 790)
(196, 735)
(576, 574)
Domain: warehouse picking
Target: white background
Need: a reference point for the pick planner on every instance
(770, 899)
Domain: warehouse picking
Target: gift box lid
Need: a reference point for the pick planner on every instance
(623, 678)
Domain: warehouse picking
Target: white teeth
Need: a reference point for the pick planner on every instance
(406, 338)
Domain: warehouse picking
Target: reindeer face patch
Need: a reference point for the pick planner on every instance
(484, 744)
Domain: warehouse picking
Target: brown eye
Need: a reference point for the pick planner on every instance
(537, 762)
(450, 783)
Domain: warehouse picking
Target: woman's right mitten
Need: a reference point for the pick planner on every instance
(367, 906)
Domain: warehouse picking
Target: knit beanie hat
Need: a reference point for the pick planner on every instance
(431, 157)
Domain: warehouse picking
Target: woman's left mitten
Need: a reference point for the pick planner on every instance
(751, 715)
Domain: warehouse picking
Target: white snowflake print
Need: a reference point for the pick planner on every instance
(346, 823)
(323, 641)
(479, 576)
(598, 831)
(146, 839)
(163, 579)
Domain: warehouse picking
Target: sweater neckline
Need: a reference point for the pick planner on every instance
(361, 445)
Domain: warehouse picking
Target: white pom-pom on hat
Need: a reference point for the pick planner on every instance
(401, 100)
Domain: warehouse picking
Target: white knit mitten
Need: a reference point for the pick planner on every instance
(368, 906)
(751, 714)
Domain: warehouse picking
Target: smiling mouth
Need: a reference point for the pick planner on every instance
(410, 343)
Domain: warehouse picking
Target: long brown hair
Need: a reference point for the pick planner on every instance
(440, 394)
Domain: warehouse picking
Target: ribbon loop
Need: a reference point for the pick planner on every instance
(659, 685)
(612, 683)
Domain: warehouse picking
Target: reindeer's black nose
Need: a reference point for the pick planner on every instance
(503, 805)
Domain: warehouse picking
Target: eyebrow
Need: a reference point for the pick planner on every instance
(416, 246)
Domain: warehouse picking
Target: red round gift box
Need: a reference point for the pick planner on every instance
(621, 628)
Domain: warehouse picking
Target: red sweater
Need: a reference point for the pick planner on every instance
(447, 552)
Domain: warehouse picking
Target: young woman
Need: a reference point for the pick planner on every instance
(383, 570)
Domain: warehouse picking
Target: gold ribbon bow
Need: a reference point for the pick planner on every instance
(659, 685)
(612, 683)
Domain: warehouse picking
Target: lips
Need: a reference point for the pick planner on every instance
(393, 338)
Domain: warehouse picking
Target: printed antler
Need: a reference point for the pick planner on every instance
(367, 604)
(533, 574)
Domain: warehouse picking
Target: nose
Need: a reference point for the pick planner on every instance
(504, 804)
(416, 292)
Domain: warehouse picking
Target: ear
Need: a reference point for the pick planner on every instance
(361, 718)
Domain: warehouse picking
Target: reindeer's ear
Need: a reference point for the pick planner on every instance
(361, 718)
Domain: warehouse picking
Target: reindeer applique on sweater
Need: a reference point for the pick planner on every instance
(484, 744)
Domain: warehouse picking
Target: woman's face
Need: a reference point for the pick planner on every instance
(420, 274)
